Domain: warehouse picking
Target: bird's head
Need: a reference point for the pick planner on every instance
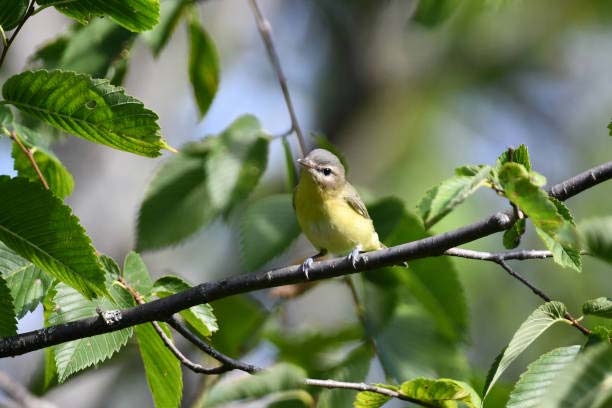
(324, 168)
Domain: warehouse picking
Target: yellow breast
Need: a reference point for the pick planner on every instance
(330, 223)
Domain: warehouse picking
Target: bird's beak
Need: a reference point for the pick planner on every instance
(306, 163)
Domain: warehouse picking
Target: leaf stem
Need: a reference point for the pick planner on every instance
(27, 15)
(30, 157)
(265, 30)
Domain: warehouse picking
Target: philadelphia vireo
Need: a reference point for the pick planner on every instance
(329, 210)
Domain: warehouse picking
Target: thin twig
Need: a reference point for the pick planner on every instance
(27, 15)
(367, 387)
(20, 395)
(30, 157)
(265, 30)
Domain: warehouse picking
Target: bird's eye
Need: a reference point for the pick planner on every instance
(327, 171)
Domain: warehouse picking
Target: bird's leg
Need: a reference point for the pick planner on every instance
(305, 267)
(355, 256)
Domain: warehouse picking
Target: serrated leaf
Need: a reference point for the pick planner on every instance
(27, 283)
(563, 254)
(204, 180)
(534, 384)
(203, 66)
(443, 392)
(137, 274)
(369, 399)
(58, 178)
(8, 321)
(519, 155)
(12, 12)
(162, 368)
(597, 236)
(90, 108)
(135, 15)
(39, 227)
(601, 306)
(76, 355)
(430, 13)
(170, 14)
(469, 170)
(585, 382)
(442, 199)
(267, 228)
(200, 317)
(537, 323)
(512, 237)
(279, 377)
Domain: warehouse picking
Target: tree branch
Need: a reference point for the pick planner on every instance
(265, 30)
(30, 157)
(27, 15)
(163, 309)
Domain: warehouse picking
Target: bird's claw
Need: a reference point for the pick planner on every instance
(305, 267)
(354, 257)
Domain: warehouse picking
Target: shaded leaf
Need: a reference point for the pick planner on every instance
(12, 12)
(597, 236)
(8, 321)
(135, 15)
(433, 12)
(537, 323)
(442, 199)
(292, 399)
(90, 108)
(512, 237)
(53, 240)
(27, 283)
(585, 382)
(6, 117)
(534, 384)
(369, 399)
(170, 14)
(441, 392)
(137, 274)
(601, 306)
(200, 317)
(203, 66)
(162, 368)
(292, 177)
(242, 318)
(279, 377)
(267, 228)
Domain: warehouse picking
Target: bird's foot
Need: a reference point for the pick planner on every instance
(355, 257)
(305, 267)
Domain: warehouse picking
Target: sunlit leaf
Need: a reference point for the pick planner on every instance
(534, 384)
(53, 240)
(12, 12)
(280, 377)
(90, 108)
(162, 368)
(370, 399)
(267, 228)
(135, 15)
(519, 155)
(203, 66)
(442, 199)
(441, 392)
(601, 306)
(537, 323)
(563, 254)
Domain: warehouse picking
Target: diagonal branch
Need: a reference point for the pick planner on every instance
(30, 157)
(163, 309)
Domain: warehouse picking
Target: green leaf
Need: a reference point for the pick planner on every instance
(170, 14)
(369, 399)
(267, 228)
(50, 53)
(200, 317)
(353, 369)
(537, 323)
(137, 274)
(442, 199)
(8, 321)
(469, 170)
(443, 392)
(203, 66)
(242, 319)
(563, 254)
(135, 15)
(292, 177)
(90, 108)
(292, 399)
(512, 237)
(204, 180)
(584, 383)
(599, 334)
(534, 384)
(279, 377)
(6, 118)
(601, 306)
(519, 155)
(430, 13)
(12, 12)
(70, 305)
(39, 227)
(57, 176)
(162, 368)
(597, 236)
(28, 284)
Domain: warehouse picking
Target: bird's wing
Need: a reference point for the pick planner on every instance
(352, 198)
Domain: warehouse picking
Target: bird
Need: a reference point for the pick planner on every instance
(330, 212)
